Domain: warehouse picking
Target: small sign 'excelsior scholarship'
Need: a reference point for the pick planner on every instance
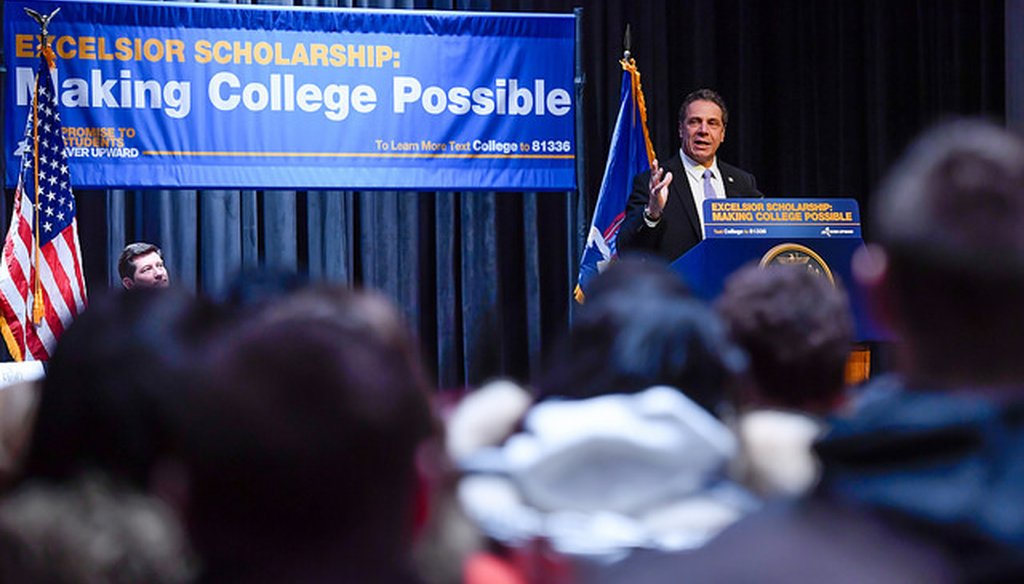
(782, 218)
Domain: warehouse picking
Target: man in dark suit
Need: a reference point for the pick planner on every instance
(663, 213)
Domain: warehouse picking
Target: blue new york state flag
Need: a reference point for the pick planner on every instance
(629, 154)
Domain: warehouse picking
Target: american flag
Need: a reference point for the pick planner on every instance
(42, 288)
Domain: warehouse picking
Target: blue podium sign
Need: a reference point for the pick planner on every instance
(821, 235)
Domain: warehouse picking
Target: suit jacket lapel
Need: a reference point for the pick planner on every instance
(730, 182)
(680, 191)
(733, 182)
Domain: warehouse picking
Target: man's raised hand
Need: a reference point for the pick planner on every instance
(658, 189)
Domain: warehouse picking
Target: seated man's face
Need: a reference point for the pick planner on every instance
(149, 272)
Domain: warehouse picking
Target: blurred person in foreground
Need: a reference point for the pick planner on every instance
(141, 265)
(108, 399)
(640, 328)
(797, 330)
(90, 503)
(301, 443)
(18, 403)
(924, 485)
(623, 451)
(597, 357)
(90, 530)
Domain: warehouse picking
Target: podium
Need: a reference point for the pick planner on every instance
(819, 234)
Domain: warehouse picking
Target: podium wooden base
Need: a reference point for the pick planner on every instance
(858, 366)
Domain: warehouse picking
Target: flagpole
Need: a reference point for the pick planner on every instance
(37, 292)
(38, 309)
(576, 204)
(3, 124)
(626, 45)
(628, 64)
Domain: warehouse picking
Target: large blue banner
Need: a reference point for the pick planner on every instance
(198, 95)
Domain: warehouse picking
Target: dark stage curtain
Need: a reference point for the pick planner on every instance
(823, 96)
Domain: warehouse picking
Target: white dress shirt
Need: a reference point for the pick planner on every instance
(695, 174)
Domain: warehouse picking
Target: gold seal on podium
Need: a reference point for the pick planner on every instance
(794, 254)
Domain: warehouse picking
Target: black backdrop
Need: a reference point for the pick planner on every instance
(823, 95)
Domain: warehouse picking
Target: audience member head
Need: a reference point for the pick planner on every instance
(638, 275)
(141, 265)
(253, 289)
(106, 398)
(949, 269)
(797, 330)
(302, 439)
(640, 332)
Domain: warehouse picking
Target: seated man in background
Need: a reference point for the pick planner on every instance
(141, 265)
(797, 329)
(923, 485)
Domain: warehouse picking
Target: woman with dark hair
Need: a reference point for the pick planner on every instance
(640, 328)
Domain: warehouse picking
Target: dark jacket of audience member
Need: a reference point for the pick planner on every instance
(301, 444)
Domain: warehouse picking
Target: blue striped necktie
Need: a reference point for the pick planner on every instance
(709, 191)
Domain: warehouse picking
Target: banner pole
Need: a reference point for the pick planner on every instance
(576, 203)
(3, 124)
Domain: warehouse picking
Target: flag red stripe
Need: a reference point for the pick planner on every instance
(63, 287)
(70, 236)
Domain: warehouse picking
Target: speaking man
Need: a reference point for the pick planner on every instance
(665, 211)
(141, 265)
